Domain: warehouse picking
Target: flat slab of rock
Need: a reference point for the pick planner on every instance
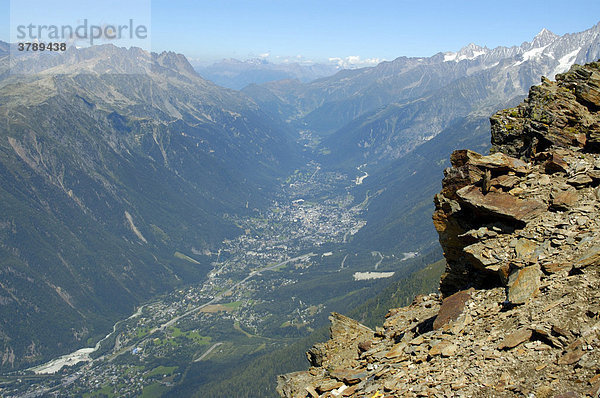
(525, 248)
(594, 174)
(396, 351)
(556, 164)
(571, 357)
(505, 181)
(348, 376)
(580, 180)
(523, 284)
(564, 200)
(551, 268)
(516, 338)
(451, 308)
(477, 258)
(329, 385)
(590, 257)
(341, 325)
(501, 204)
(443, 348)
(497, 161)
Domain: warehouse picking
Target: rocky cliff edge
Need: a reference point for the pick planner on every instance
(518, 313)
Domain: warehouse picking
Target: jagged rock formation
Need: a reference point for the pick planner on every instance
(518, 312)
(492, 214)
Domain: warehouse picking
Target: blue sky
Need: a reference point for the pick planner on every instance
(318, 30)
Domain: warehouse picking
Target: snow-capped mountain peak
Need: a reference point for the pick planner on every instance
(548, 53)
(468, 52)
(543, 38)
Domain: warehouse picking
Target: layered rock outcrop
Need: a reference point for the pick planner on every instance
(528, 204)
(518, 313)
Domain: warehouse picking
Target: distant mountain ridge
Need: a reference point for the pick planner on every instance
(380, 113)
(236, 74)
(407, 144)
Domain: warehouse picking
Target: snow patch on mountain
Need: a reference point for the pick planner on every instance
(565, 62)
(469, 52)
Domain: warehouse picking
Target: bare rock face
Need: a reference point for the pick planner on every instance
(452, 307)
(342, 329)
(518, 314)
(523, 284)
(331, 361)
(543, 158)
(559, 114)
(499, 204)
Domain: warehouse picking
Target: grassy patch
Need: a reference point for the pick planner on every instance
(159, 233)
(198, 338)
(182, 256)
(142, 332)
(215, 308)
(234, 305)
(281, 267)
(160, 371)
(193, 335)
(105, 391)
(237, 327)
(153, 390)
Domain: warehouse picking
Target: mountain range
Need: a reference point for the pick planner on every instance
(236, 74)
(120, 168)
(111, 165)
(379, 114)
(402, 119)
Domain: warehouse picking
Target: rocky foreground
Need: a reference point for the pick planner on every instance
(518, 312)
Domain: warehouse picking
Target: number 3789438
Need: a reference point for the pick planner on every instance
(42, 46)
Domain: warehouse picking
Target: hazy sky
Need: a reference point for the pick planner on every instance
(318, 30)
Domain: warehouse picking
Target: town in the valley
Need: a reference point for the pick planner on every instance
(243, 306)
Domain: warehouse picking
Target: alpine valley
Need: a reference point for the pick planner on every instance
(161, 235)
